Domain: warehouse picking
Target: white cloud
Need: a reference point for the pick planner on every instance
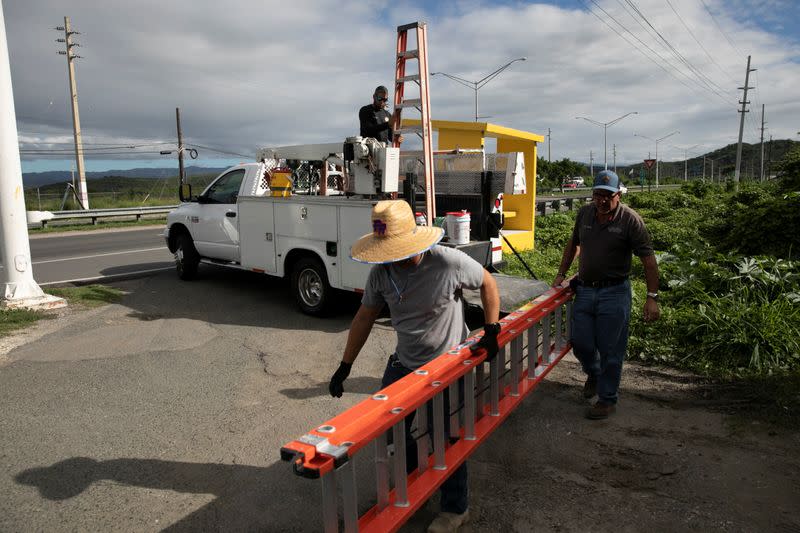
(247, 74)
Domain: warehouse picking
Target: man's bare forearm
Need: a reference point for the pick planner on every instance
(359, 332)
(650, 272)
(490, 298)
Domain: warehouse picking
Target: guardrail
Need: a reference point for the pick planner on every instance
(533, 339)
(45, 217)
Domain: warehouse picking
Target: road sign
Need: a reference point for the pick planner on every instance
(649, 163)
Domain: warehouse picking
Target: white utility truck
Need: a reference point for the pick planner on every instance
(248, 219)
(240, 222)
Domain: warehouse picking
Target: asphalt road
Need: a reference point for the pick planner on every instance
(84, 256)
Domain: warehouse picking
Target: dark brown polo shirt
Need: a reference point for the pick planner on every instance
(606, 248)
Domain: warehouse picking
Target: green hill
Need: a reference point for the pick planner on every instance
(724, 161)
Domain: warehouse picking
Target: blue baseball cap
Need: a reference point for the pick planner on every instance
(606, 180)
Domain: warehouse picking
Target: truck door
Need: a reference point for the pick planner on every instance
(216, 233)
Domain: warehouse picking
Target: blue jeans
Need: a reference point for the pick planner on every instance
(599, 328)
(455, 490)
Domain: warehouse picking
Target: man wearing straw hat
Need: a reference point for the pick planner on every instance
(421, 284)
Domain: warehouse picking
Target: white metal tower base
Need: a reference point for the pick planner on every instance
(19, 290)
(23, 296)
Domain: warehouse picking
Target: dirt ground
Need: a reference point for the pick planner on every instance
(163, 412)
(677, 456)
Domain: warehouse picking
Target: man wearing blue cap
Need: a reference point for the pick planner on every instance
(605, 235)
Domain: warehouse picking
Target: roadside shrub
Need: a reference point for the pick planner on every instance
(554, 230)
(762, 225)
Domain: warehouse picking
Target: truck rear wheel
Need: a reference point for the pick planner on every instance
(310, 286)
(186, 257)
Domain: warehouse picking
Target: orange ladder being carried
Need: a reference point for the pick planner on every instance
(533, 339)
(421, 104)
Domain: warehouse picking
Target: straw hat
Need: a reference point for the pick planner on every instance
(395, 235)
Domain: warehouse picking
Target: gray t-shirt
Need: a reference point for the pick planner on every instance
(606, 248)
(425, 302)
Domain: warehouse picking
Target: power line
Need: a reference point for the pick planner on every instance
(66, 150)
(217, 150)
(101, 144)
(656, 63)
(681, 58)
(720, 28)
(680, 18)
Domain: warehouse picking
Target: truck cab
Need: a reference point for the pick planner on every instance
(208, 225)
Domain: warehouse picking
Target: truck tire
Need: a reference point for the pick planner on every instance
(310, 286)
(186, 257)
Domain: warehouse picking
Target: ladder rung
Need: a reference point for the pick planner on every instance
(413, 77)
(411, 102)
(410, 129)
(408, 54)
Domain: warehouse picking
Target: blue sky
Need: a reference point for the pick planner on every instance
(243, 82)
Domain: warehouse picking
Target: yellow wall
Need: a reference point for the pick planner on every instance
(467, 135)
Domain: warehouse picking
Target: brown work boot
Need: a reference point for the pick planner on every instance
(600, 411)
(590, 387)
(448, 522)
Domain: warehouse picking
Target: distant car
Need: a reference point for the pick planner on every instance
(577, 181)
(570, 185)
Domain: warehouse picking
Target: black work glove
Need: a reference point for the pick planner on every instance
(489, 341)
(336, 386)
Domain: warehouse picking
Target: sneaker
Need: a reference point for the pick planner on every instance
(448, 522)
(590, 387)
(600, 411)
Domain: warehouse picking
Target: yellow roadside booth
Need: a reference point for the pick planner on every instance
(519, 209)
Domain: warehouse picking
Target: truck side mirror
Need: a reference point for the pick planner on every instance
(185, 192)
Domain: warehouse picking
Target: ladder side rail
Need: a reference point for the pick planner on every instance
(358, 426)
(427, 134)
(399, 86)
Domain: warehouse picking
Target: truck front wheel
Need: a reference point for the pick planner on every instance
(310, 286)
(186, 257)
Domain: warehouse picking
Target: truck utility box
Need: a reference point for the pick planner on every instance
(324, 226)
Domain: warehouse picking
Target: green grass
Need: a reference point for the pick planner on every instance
(14, 319)
(89, 296)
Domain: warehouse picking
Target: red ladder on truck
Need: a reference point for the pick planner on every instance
(421, 104)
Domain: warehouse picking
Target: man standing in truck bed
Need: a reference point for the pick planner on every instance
(421, 284)
(375, 121)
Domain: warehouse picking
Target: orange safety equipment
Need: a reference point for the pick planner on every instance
(532, 340)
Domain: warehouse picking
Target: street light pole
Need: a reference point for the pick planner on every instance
(656, 141)
(475, 85)
(686, 160)
(605, 126)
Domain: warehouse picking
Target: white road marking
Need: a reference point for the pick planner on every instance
(99, 255)
(97, 278)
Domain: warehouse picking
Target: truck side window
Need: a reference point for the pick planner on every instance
(226, 189)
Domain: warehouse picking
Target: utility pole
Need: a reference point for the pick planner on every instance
(744, 110)
(18, 289)
(181, 173)
(769, 158)
(548, 145)
(76, 121)
(704, 167)
(615, 158)
(591, 164)
(761, 172)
